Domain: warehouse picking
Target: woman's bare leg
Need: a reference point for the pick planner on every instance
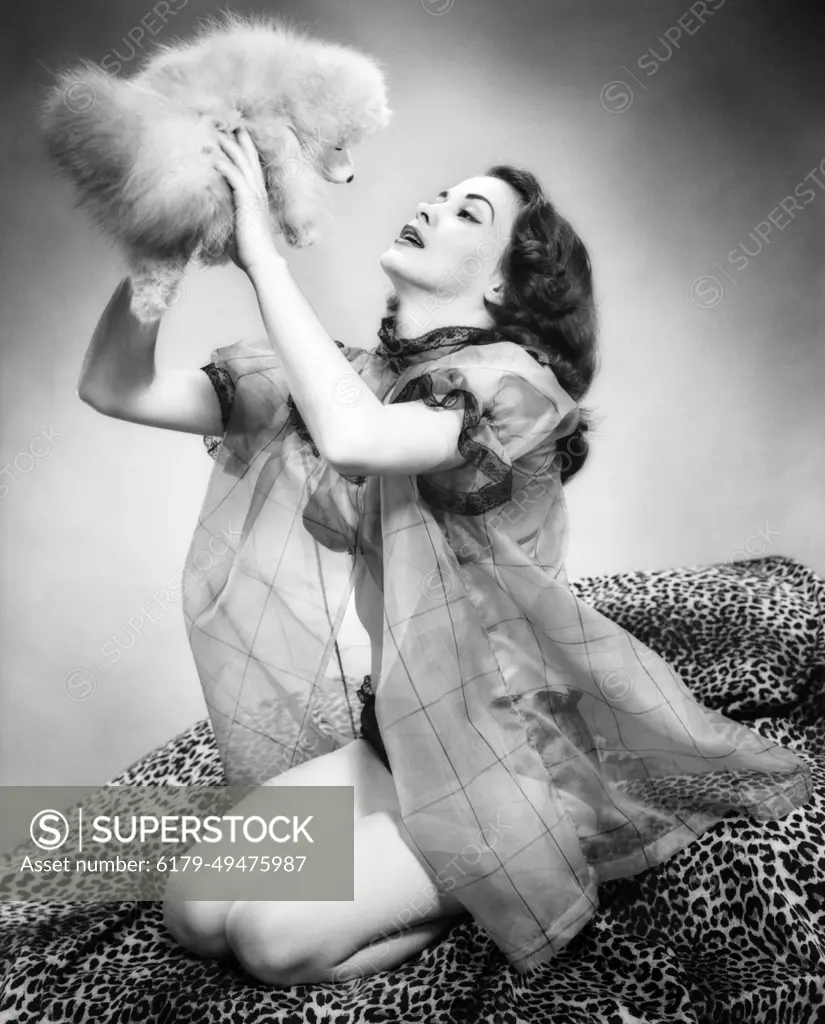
(197, 925)
(385, 953)
(200, 925)
(297, 943)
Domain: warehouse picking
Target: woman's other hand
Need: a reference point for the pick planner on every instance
(254, 240)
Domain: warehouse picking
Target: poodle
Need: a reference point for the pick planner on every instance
(140, 151)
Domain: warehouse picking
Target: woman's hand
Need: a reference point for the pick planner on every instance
(254, 242)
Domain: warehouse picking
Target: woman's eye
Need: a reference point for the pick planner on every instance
(461, 212)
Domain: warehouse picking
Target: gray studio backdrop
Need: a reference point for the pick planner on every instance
(671, 134)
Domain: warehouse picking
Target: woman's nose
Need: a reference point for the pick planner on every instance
(423, 211)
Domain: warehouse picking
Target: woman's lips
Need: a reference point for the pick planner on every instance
(410, 233)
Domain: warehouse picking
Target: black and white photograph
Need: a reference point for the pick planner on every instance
(413, 512)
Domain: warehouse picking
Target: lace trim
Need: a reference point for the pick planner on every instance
(500, 473)
(213, 444)
(224, 387)
(396, 350)
(297, 421)
(364, 691)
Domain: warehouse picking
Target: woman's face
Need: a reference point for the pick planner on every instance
(462, 233)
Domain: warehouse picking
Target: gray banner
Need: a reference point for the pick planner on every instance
(78, 843)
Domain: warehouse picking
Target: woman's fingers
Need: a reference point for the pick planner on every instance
(233, 175)
(237, 158)
(253, 156)
(244, 157)
(253, 235)
(232, 149)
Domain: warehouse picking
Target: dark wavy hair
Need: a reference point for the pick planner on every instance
(548, 301)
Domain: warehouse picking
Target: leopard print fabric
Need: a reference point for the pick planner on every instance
(731, 928)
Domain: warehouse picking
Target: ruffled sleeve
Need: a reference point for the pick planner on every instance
(514, 411)
(253, 394)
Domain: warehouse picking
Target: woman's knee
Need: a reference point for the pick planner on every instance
(272, 950)
(198, 925)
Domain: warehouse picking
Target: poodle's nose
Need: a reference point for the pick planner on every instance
(349, 179)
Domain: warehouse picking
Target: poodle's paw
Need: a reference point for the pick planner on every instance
(143, 305)
(208, 257)
(156, 288)
(299, 236)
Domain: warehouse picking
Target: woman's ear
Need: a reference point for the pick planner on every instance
(494, 291)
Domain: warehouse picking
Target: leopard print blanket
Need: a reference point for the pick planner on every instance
(731, 928)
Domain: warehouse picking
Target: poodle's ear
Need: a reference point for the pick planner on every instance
(377, 116)
(359, 85)
(290, 143)
(368, 120)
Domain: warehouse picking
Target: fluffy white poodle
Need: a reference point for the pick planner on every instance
(140, 150)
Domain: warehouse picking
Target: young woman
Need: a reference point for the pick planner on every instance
(516, 748)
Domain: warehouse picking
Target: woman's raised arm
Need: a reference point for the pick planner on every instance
(119, 377)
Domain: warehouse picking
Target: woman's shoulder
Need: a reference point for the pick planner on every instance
(509, 380)
(257, 353)
(252, 366)
(504, 357)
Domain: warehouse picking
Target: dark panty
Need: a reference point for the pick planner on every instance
(369, 723)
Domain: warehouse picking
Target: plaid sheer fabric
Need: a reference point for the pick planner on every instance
(536, 747)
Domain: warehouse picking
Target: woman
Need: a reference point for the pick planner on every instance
(508, 718)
